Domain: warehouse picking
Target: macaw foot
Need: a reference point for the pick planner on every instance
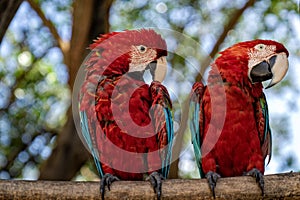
(107, 180)
(155, 179)
(212, 178)
(259, 178)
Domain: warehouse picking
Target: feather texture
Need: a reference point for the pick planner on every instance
(163, 122)
(229, 119)
(126, 123)
(196, 122)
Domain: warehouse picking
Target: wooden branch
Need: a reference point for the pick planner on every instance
(278, 186)
(64, 46)
(8, 9)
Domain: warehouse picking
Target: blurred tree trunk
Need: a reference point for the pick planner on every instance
(90, 18)
(8, 9)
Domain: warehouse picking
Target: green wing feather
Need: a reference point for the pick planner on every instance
(170, 135)
(265, 134)
(195, 111)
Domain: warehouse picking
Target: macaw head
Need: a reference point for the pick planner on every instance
(261, 60)
(131, 51)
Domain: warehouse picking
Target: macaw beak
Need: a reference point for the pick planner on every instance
(273, 68)
(158, 69)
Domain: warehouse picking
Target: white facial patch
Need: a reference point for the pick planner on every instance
(260, 53)
(140, 59)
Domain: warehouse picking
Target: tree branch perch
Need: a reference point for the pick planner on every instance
(63, 45)
(277, 186)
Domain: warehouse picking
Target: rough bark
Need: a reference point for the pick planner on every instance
(8, 9)
(278, 186)
(90, 18)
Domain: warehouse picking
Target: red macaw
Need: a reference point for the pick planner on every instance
(126, 123)
(229, 118)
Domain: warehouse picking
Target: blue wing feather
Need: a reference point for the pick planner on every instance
(163, 117)
(195, 132)
(195, 112)
(87, 136)
(170, 134)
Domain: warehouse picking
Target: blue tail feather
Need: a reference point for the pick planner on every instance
(88, 139)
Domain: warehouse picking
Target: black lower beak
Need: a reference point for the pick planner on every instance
(262, 71)
(138, 75)
(152, 67)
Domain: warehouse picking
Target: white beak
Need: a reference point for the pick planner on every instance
(279, 69)
(161, 69)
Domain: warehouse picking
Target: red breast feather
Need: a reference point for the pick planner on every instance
(122, 104)
(238, 148)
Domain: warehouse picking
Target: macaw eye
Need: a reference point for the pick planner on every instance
(142, 48)
(260, 47)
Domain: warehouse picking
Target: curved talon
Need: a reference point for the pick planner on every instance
(258, 177)
(107, 180)
(155, 179)
(212, 178)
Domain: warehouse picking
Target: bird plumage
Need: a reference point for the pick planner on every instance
(126, 123)
(229, 118)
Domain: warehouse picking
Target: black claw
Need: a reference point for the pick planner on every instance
(259, 178)
(107, 180)
(212, 178)
(155, 179)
